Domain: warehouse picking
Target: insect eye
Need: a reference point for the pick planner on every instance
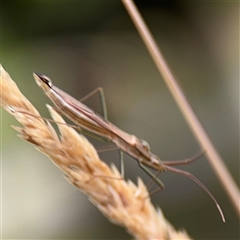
(43, 78)
(145, 145)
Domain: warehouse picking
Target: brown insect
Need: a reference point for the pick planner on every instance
(93, 123)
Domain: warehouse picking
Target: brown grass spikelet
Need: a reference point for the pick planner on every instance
(122, 202)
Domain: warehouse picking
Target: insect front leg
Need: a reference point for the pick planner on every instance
(104, 113)
(102, 100)
(185, 161)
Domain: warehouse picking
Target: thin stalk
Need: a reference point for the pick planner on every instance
(122, 202)
(194, 123)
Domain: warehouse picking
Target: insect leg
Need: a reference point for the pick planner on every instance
(151, 175)
(150, 184)
(106, 149)
(185, 161)
(102, 100)
(121, 163)
(104, 111)
(187, 174)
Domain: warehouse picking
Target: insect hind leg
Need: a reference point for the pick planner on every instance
(189, 175)
(185, 161)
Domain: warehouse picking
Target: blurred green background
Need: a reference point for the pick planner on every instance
(82, 45)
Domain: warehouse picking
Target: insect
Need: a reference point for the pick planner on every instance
(138, 149)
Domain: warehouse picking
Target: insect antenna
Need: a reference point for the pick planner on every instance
(187, 174)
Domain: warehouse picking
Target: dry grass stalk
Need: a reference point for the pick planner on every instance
(191, 118)
(121, 202)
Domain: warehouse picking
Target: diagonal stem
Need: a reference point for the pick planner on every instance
(182, 102)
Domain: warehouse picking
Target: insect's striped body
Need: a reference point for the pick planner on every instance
(86, 118)
(93, 123)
